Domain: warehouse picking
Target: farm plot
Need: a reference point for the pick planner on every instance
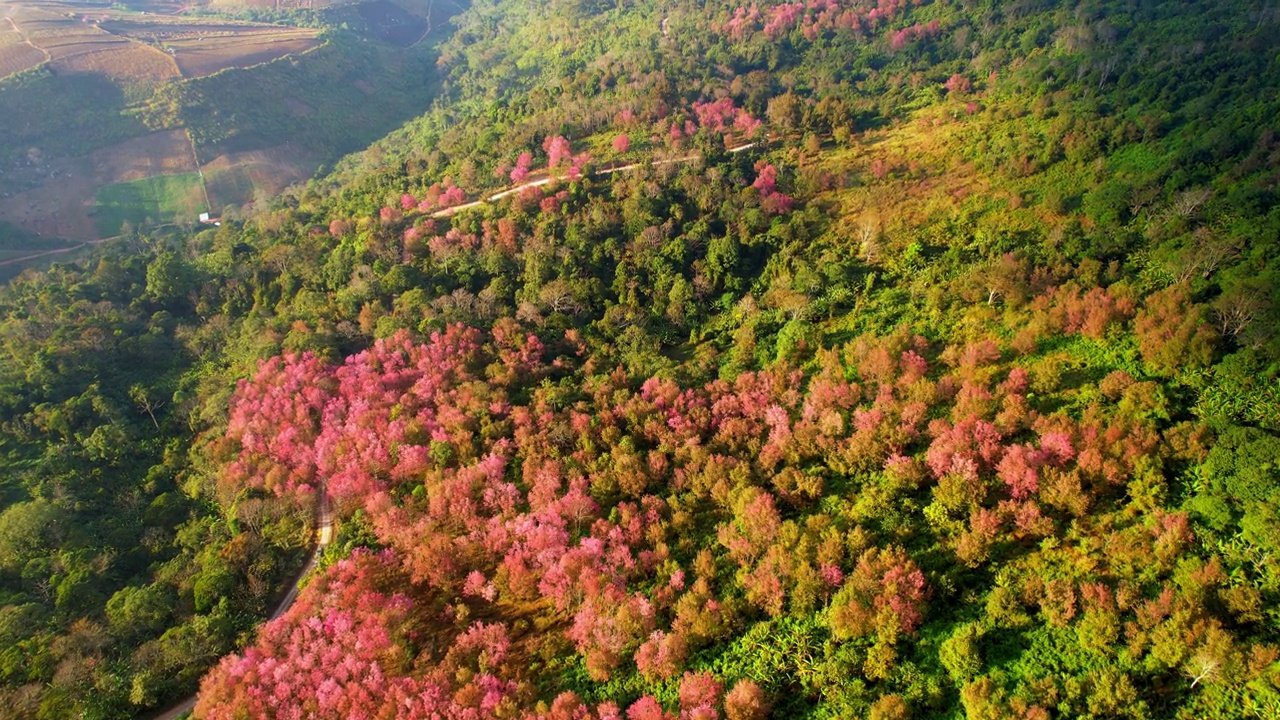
(129, 63)
(61, 205)
(391, 23)
(204, 48)
(167, 152)
(198, 58)
(64, 37)
(16, 54)
(245, 177)
(163, 199)
(56, 209)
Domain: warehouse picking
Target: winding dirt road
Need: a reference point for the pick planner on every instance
(324, 536)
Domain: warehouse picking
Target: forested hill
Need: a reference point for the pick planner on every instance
(828, 359)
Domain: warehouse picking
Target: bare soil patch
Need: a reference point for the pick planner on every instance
(133, 62)
(60, 207)
(244, 177)
(198, 58)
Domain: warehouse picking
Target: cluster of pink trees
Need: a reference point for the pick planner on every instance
(724, 117)
(899, 39)
(437, 197)
(524, 163)
(574, 508)
(342, 650)
(766, 183)
(559, 155)
(813, 18)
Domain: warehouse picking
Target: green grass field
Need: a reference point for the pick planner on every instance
(157, 200)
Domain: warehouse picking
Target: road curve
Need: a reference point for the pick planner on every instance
(323, 536)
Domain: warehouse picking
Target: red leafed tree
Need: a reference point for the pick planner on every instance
(523, 163)
(451, 196)
(621, 143)
(965, 447)
(700, 691)
(1020, 470)
(647, 708)
(558, 150)
(766, 179)
(608, 627)
(338, 228)
(884, 594)
(746, 701)
(342, 650)
(1172, 331)
(958, 84)
(755, 525)
(662, 655)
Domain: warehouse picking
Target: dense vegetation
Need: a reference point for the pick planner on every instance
(923, 365)
(121, 579)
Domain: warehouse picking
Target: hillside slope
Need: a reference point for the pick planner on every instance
(831, 359)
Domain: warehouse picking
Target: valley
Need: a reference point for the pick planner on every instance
(97, 96)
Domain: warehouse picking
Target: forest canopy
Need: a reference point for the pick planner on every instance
(815, 359)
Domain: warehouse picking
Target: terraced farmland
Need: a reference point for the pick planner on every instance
(93, 95)
(16, 54)
(202, 48)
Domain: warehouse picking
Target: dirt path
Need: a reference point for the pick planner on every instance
(47, 253)
(27, 40)
(324, 536)
(58, 251)
(449, 211)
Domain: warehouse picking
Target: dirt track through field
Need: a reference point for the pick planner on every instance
(25, 39)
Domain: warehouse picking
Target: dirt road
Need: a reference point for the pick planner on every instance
(547, 180)
(324, 536)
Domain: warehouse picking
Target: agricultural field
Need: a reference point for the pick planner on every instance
(135, 47)
(199, 58)
(246, 177)
(61, 206)
(93, 95)
(16, 54)
(393, 24)
(155, 200)
(204, 47)
(133, 63)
